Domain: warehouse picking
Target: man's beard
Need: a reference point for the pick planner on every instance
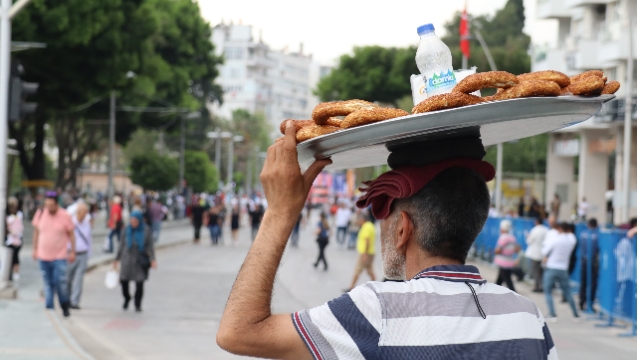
(393, 263)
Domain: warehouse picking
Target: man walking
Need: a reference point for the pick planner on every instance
(588, 250)
(557, 254)
(82, 223)
(156, 215)
(115, 221)
(535, 240)
(366, 248)
(438, 308)
(52, 234)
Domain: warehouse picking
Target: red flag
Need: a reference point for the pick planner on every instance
(464, 34)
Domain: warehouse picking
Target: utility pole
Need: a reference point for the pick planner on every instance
(626, 152)
(7, 12)
(181, 185)
(112, 146)
(492, 64)
(5, 65)
(218, 145)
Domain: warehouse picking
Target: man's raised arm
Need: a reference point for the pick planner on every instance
(248, 327)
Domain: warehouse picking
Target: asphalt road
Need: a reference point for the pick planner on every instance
(185, 297)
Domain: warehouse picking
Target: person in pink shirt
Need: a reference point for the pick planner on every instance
(505, 254)
(53, 236)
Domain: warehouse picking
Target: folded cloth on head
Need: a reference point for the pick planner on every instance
(406, 181)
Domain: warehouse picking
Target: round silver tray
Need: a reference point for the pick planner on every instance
(496, 122)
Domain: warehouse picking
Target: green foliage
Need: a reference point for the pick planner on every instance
(504, 37)
(372, 73)
(526, 155)
(154, 172)
(201, 175)
(381, 74)
(91, 46)
(253, 127)
(141, 142)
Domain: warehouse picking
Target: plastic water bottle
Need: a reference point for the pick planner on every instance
(434, 62)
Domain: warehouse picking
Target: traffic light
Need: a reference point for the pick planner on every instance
(18, 91)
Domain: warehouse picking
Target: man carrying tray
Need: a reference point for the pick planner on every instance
(431, 211)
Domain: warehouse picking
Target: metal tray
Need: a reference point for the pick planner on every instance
(497, 122)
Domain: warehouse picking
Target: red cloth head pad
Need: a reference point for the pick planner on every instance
(406, 181)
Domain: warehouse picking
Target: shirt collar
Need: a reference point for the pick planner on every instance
(454, 273)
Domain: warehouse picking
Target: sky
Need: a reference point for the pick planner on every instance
(330, 28)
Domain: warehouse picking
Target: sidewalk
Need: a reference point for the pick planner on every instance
(28, 331)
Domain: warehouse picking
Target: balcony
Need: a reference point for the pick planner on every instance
(551, 59)
(615, 49)
(553, 9)
(585, 57)
(575, 3)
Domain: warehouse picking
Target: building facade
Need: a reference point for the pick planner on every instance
(592, 34)
(276, 83)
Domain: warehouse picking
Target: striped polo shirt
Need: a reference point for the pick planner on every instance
(444, 312)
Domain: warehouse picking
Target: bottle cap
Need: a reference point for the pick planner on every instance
(425, 29)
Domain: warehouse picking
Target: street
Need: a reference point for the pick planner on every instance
(185, 297)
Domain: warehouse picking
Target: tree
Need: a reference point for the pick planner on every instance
(154, 172)
(372, 73)
(201, 175)
(504, 37)
(527, 155)
(91, 45)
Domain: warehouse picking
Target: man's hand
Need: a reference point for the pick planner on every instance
(285, 187)
(115, 265)
(72, 257)
(154, 265)
(34, 255)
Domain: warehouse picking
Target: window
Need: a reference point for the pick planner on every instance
(233, 53)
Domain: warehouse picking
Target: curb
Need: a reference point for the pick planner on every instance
(105, 259)
(66, 337)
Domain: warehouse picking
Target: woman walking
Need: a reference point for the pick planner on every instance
(323, 239)
(506, 250)
(136, 256)
(235, 223)
(213, 223)
(197, 215)
(15, 227)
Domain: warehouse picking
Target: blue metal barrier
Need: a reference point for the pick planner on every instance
(616, 269)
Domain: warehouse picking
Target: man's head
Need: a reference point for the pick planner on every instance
(51, 202)
(538, 221)
(442, 221)
(552, 221)
(505, 226)
(593, 223)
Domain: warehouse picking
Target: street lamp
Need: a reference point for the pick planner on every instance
(219, 136)
(234, 139)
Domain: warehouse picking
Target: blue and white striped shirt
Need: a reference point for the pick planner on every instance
(435, 315)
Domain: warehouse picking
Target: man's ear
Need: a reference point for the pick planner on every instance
(404, 230)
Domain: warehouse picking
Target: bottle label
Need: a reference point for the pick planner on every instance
(441, 82)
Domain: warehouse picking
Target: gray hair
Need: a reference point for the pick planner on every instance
(448, 213)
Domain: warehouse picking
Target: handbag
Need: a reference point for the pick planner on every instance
(143, 260)
(111, 279)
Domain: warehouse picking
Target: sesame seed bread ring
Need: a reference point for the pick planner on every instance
(548, 75)
(314, 130)
(611, 87)
(446, 101)
(591, 85)
(528, 88)
(324, 111)
(586, 74)
(489, 79)
(367, 116)
(334, 121)
(299, 124)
